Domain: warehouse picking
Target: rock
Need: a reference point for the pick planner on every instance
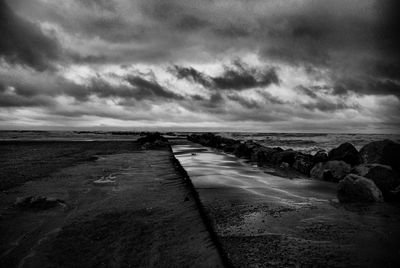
(354, 188)
(211, 140)
(284, 165)
(284, 156)
(228, 145)
(263, 155)
(330, 171)
(303, 163)
(153, 141)
(320, 156)
(193, 138)
(152, 137)
(384, 152)
(384, 177)
(215, 141)
(246, 149)
(230, 148)
(345, 152)
(227, 142)
(37, 202)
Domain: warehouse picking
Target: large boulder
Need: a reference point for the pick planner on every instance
(345, 152)
(228, 145)
(263, 155)
(208, 139)
(153, 141)
(330, 171)
(225, 141)
(303, 163)
(286, 156)
(320, 156)
(246, 149)
(214, 141)
(354, 188)
(384, 152)
(385, 178)
(230, 148)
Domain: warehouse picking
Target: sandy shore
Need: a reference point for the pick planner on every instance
(125, 209)
(264, 220)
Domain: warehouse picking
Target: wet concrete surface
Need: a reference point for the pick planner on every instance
(141, 215)
(269, 221)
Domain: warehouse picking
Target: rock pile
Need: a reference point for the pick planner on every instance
(153, 141)
(377, 165)
(355, 188)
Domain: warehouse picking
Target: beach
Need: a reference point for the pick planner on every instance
(149, 200)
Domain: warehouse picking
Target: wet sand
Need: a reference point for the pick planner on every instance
(141, 214)
(264, 220)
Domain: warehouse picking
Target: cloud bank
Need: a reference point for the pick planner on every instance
(297, 65)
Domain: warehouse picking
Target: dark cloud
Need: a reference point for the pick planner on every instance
(151, 89)
(232, 31)
(23, 42)
(367, 86)
(388, 35)
(192, 75)
(215, 100)
(270, 99)
(190, 23)
(320, 99)
(348, 48)
(25, 94)
(139, 89)
(9, 98)
(248, 104)
(306, 90)
(326, 105)
(242, 77)
(14, 101)
(236, 77)
(197, 98)
(356, 42)
(108, 5)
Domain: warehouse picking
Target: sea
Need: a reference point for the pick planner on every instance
(310, 142)
(304, 142)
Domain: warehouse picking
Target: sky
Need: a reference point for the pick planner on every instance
(239, 65)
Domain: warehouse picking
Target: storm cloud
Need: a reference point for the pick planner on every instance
(235, 77)
(267, 64)
(23, 42)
